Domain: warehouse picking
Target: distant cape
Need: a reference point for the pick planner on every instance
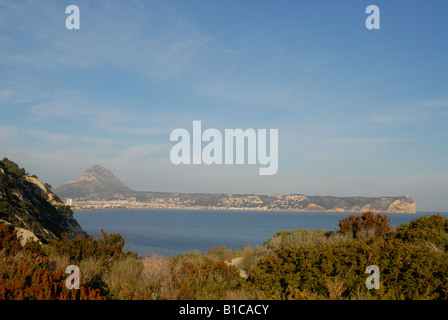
(100, 184)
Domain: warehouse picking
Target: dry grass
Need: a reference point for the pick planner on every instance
(60, 261)
(91, 270)
(335, 288)
(158, 275)
(124, 281)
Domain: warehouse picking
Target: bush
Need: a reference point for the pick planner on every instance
(64, 209)
(27, 273)
(305, 237)
(9, 243)
(304, 270)
(203, 278)
(29, 278)
(219, 253)
(106, 248)
(13, 168)
(430, 228)
(407, 271)
(357, 225)
(250, 256)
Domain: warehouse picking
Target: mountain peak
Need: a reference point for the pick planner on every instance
(96, 180)
(97, 167)
(97, 170)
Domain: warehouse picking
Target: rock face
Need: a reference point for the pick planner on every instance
(31, 207)
(94, 181)
(362, 204)
(402, 206)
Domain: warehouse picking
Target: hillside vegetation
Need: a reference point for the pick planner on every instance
(300, 264)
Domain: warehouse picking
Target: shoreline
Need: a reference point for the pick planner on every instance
(244, 209)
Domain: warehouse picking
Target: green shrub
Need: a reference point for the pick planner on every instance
(106, 248)
(307, 269)
(429, 228)
(65, 209)
(250, 256)
(13, 168)
(305, 237)
(407, 271)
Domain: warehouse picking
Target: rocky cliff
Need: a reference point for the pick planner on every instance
(362, 204)
(31, 207)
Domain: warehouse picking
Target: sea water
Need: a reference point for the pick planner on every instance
(172, 232)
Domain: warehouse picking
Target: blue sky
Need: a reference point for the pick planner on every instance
(359, 112)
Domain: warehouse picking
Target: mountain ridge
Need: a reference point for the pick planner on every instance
(98, 188)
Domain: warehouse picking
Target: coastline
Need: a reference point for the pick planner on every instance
(198, 208)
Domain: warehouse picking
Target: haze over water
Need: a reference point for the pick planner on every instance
(171, 232)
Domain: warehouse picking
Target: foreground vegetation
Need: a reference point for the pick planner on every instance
(300, 264)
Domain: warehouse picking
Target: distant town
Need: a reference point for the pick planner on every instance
(280, 202)
(231, 202)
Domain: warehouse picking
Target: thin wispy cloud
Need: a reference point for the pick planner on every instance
(104, 41)
(354, 108)
(412, 113)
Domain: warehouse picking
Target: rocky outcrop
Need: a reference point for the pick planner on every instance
(315, 207)
(31, 207)
(23, 234)
(403, 204)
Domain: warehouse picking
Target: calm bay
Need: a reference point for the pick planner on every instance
(172, 232)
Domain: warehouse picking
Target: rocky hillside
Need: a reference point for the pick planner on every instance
(95, 180)
(31, 207)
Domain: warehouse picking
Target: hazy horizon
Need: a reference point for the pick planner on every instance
(359, 112)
